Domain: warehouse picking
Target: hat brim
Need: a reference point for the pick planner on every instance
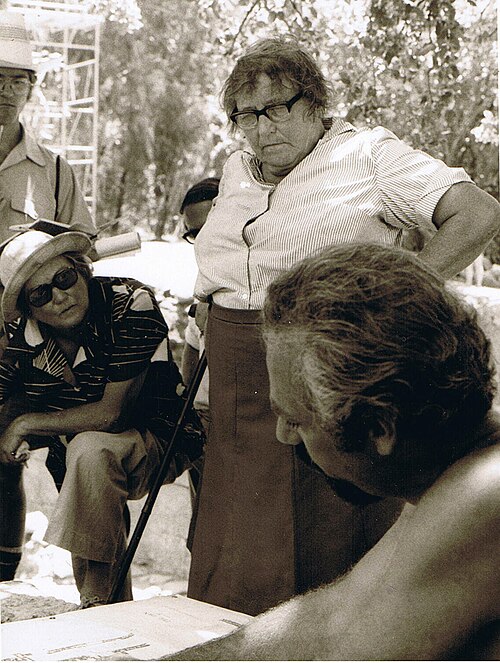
(27, 66)
(68, 242)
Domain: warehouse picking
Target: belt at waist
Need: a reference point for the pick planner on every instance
(238, 316)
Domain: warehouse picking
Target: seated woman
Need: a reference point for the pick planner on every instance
(90, 358)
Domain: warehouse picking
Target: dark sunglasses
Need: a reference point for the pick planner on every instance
(64, 279)
(190, 235)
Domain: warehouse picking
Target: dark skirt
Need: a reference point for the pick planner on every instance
(267, 526)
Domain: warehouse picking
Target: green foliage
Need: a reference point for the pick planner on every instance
(426, 69)
(158, 132)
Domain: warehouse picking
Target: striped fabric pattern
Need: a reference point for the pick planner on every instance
(124, 335)
(118, 343)
(356, 185)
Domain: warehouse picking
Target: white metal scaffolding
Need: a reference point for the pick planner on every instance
(63, 112)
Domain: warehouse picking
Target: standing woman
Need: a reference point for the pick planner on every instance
(266, 515)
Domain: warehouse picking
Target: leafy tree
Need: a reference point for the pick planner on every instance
(425, 69)
(158, 131)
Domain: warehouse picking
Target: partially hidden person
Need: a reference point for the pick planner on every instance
(195, 207)
(385, 377)
(267, 525)
(34, 182)
(36, 185)
(90, 357)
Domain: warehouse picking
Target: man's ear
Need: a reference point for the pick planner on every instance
(383, 436)
(384, 445)
(370, 427)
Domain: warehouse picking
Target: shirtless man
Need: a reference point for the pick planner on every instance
(387, 381)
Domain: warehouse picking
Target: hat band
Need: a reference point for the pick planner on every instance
(13, 33)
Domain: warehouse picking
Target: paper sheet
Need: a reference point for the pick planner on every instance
(145, 630)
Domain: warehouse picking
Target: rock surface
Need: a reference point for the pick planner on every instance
(18, 606)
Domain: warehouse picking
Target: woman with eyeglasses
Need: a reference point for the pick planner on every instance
(34, 183)
(90, 356)
(265, 516)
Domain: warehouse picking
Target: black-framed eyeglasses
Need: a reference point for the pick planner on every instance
(190, 235)
(64, 279)
(274, 112)
(18, 86)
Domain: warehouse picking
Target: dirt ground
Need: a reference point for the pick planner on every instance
(160, 565)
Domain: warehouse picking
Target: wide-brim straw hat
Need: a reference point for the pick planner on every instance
(15, 46)
(25, 254)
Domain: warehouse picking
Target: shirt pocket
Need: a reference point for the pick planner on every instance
(24, 206)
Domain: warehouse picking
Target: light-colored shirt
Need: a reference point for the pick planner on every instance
(28, 187)
(355, 185)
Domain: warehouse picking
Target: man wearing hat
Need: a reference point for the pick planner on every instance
(34, 183)
(91, 357)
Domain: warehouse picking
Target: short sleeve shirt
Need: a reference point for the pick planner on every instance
(355, 185)
(124, 335)
(28, 188)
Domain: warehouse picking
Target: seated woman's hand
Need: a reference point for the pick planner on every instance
(14, 449)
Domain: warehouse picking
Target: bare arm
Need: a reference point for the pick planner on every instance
(189, 362)
(467, 218)
(105, 415)
(418, 594)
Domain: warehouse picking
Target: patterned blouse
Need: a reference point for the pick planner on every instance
(123, 335)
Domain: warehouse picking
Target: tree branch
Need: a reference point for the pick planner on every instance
(245, 19)
(299, 12)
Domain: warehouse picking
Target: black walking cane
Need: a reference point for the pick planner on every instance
(129, 553)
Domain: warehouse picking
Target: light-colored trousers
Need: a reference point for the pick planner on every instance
(103, 471)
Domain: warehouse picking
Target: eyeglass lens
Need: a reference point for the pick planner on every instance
(63, 280)
(274, 112)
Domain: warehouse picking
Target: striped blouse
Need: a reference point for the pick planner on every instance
(124, 335)
(355, 185)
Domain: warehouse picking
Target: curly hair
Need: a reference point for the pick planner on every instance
(384, 346)
(282, 59)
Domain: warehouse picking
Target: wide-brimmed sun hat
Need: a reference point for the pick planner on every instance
(15, 46)
(25, 254)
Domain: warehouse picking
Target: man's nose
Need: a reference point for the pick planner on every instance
(7, 91)
(285, 434)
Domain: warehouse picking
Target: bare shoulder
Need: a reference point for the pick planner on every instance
(471, 486)
(434, 577)
(460, 519)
